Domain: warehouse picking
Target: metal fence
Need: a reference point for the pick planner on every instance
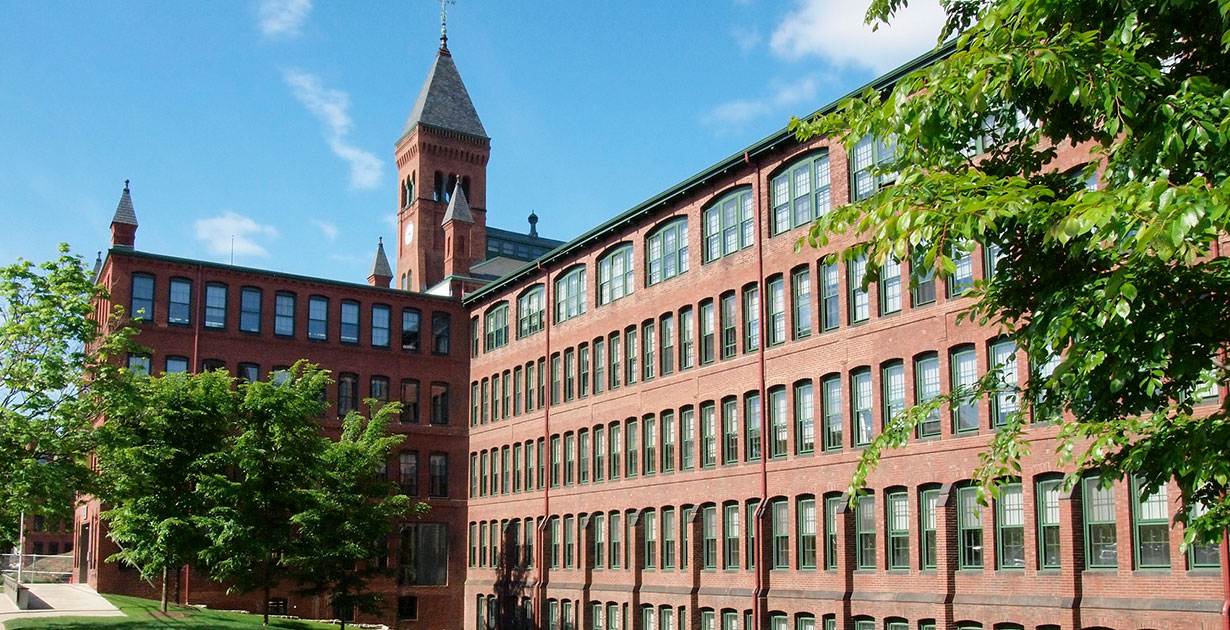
(41, 569)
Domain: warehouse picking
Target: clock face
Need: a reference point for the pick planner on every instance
(409, 236)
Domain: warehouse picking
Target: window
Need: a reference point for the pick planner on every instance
(570, 294)
(440, 323)
(800, 282)
(927, 387)
(139, 363)
(922, 279)
(731, 538)
(831, 507)
(649, 462)
(751, 423)
(599, 365)
(347, 394)
(776, 305)
(1047, 500)
(438, 465)
(599, 453)
(570, 373)
(750, 519)
(780, 512)
(864, 427)
(729, 225)
(730, 328)
(730, 430)
(830, 312)
(751, 318)
(962, 277)
(1202, 555)
(807, 533)
(583, 456)
(928, 501)
(250, 309)
(616, 453)
(865, 529)
(898, 516)
(804, 621)
(570, 534)
(648, 345)
(964, 374)
(570, 458)
(379, 388)
(381, 316)
(556, 461)
(668, 441)
(439, 403)
(890, 287)
(631, 352)
(801, 193)
(495, 327)
(215, 305)
(709, 537)
(969, 528)
(529, 311)
(284, 314)
(707, 332)
(1004, 400)
(668, 538)
(708, 435)
(599, 540)
(179, 304)
(424, 554)
(778, 432)
(177, 365)
(687, 439)
(142, 306)
(650, 553)
(409, 461)
(892, 380)
(860, 306)
(1152, 526)
(687, 338)
(867, 156)
(1010, 514)
(668, 344)
(667, 252)
(616, 532)
(411, 323)
(615, 274)
(632, 452)
(833, 411)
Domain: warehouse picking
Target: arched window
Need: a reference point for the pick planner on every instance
(437, 190)
(570, 294)
(529, 311)
(666, 251)
(729, 225)
(495, 327)
(615, 274)
(869, 154)
(801, 193)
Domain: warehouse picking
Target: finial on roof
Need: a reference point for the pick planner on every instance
(533, 224)
(97, 265)
(444, 23)
(125, 184)
(458, 207)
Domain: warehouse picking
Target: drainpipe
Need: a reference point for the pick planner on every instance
(758, 592)
(196, 330)
(541, 551)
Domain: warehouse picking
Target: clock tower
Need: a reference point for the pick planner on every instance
(442, 149)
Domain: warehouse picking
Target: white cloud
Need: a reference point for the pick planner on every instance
(834, 30)
(231, 230)
(746, 37)
(328, 229)
(283, 18)
(331, 107)
(781, 95)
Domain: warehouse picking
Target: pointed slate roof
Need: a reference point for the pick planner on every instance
(380, 265)
(124, 212)
(444, 102)
(458, 207)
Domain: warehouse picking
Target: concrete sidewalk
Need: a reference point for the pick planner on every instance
(59, 600)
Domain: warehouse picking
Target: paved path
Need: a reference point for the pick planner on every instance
(59, 600)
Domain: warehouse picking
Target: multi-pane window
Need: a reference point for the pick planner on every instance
(318, 317)
(801, 193)
(495, 327)
(649, 522)
(179, 307)
(570, 458)
(250, 309)
(615, 274)
(1152, 526)
(751, 424)
(614, 374)
(529, 311)
(350, 322)
(804, 418)
(856, 272)
(898, 509)
(668, 538)
(1100, 537)
(142, 305)
(868, 155)
(865, 530)
(347, 394)
(411, 326)
(830, 290)
(707, 332)
(833, 411)
(922, 279)
(438, 469)
(381, 316)
(730, 327)
(583, 370)
(570, 294)
(570, 535)
(928, 501)
(1010, 525)
(599, 365)
(892, 380)
(890, 287)
(807, 533)
(439, 404)
(864, 424)
(781, 534)
(440, 324)
(831, 507)
(648, 346)
(616, 533)
(751, 318)
(379, 388)
(778, 431)
(708, 437)
(687, 439)
(730, 430)
(732, 540)
(1004, 400)
(177, 365)
(709, 548)
(964, 374)
(409, 471)
(962, 277)
(927, 387)
(1202, 555)
(729, 225)
(667, 251)
(599, 549)
(667, 327)
(139, 364)
(775, 289)
(1047, 500)
(687, 338)
(800, 282)
(570, 373)
(215, 305)
(649, 462)
(631, 353)
(668, 441)
(284, 314)
(424, 554)
(969, 528)
(749, 514)
(617, 445)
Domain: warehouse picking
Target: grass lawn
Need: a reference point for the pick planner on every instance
(139, 618)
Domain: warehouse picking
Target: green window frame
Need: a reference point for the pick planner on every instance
(570, 539)
(865, 531)
(707, 332)
(775, 290)
(892, 384)
(1151, 526)
(964, 362)
(530, 311)
(570, 457)
(668, 441)
(732, 539)
(649, 442)
(1002, 355)
(860, 390)
(780, 511)
(729, 225)
(668, 538)
(616, 455)
(583, 370)
(1202, 555)
(556, 460)
(570, 374)
(648, 346)
(666, 251)
(631, 353)
(599, 453)
(667, 354)
(599, 542)
(749, 526)
(831, 507)
(969, 528)
(751, 424)
(898, 527)
(599, 365)
(962, 278)
(555, 542)
(615, 274)
(751, 318)
(709, 537)
(556, 379)
(868, 155)
(801, 193)
(922, 279)
(800, 288)
(1010, 527)
(928, 502)
(860, 300)
(926, 388)
(687, 439)
(613, 366)
(830, 300)
(495, 327)
(632, 434)
(616, 531)
(570, 290)
(804, 621)
(806, 532)
(890, 287)
(649, 523)
(730, 430)
(730, 327)
(684, 550)
(1047, 501)
(804, 418)
(778, 423)
(687, 338)
(1101, 549)
(833, 412)
(708, 435)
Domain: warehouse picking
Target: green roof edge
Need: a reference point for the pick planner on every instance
(768, 143)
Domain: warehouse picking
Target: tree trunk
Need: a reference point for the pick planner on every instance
(164, 588)
(266, 606)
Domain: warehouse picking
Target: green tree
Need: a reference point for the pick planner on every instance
(340, 536)
(162, 436)
(274, 462)
(1126, 282)
(49, 341)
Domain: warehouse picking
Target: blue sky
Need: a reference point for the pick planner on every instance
(273, 121)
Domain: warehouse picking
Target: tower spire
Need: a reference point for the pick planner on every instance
(444, 22)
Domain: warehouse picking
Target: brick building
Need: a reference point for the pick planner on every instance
(651, 426)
